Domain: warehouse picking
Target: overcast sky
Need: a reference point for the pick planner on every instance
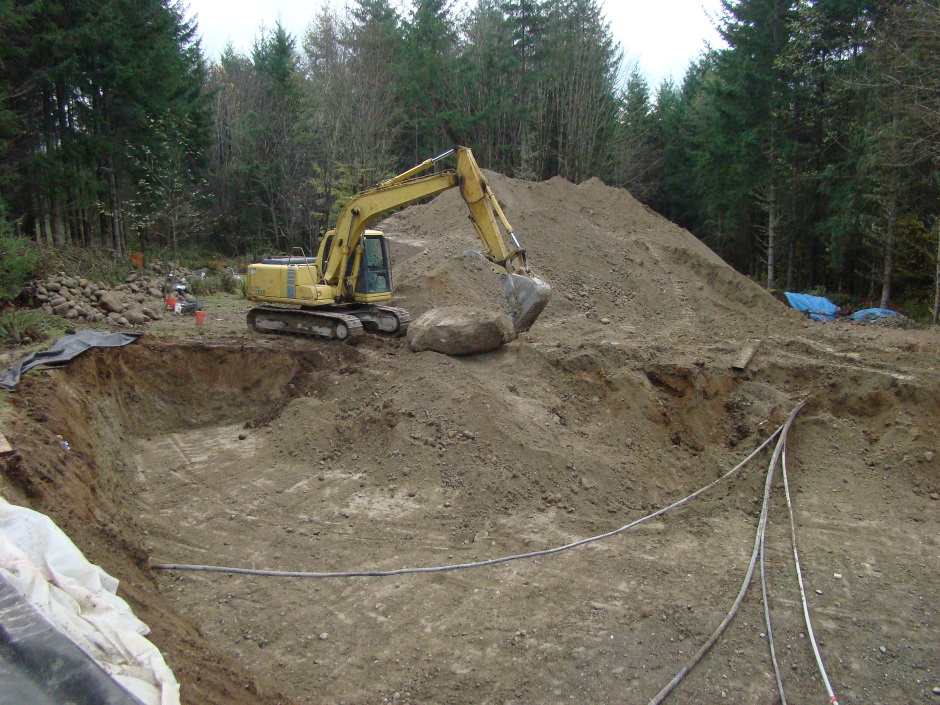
(662, 35)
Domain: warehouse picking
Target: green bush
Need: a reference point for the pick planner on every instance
(22, 327)
(214, 284)
(19, 262)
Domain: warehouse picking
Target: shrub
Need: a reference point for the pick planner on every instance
(22, 327)
(214, 284)
(19, 262)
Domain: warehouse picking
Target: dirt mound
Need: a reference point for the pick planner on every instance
(605, 255)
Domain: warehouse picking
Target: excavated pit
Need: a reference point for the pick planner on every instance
(279, 453)
(297, 455)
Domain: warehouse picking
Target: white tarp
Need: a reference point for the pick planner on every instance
(80, 599)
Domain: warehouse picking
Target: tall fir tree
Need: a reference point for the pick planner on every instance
(430, 62)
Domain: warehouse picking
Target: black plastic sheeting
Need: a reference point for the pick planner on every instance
(63, 350)
(41, 666)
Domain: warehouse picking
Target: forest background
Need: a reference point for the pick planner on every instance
(805, 152)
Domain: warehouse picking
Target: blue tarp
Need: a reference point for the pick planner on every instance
(819, 308)
(872, 314)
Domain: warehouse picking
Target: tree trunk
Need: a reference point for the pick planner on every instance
(888, 271)
(791, 261)
(117, 234)
(936, 297)
(771, 234)
(58, 226)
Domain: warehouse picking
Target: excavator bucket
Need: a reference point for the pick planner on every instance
(526, 296)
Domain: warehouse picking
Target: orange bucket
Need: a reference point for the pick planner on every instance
(171, 303)
(201, 318)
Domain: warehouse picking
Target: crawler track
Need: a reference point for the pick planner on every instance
(323, 324)
(347, 324)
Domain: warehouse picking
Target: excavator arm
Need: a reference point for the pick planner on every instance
(526, 294)
(365, 208)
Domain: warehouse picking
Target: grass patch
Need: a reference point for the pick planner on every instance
(97, 265)
(24, 327)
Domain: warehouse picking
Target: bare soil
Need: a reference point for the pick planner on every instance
(213, 445)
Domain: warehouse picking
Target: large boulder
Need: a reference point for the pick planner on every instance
(459, 330)
(135, 316)
(110, 302)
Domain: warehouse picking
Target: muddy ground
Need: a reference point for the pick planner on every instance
(213, 445)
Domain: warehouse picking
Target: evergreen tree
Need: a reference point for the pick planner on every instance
(583, 87)
(487, 88)
(429, 61)
(85, 78)
(374, 40)
(638, 147)
(753, 91)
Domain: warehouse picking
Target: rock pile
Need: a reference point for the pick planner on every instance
(138, 300)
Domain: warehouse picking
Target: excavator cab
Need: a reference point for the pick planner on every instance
(375, 267)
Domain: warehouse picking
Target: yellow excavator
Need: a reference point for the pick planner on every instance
(343, 289)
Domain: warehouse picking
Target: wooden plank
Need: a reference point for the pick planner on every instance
(746, 355)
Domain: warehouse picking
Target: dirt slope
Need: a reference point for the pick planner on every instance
(292, 454)
(605, 255)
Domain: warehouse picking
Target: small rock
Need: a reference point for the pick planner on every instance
(837, 576)
(935, 495)
(605, 321)
(819, 592)
(936, 691)
(242, 436)
(928, 456)
(323, 637)
(883, 649)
